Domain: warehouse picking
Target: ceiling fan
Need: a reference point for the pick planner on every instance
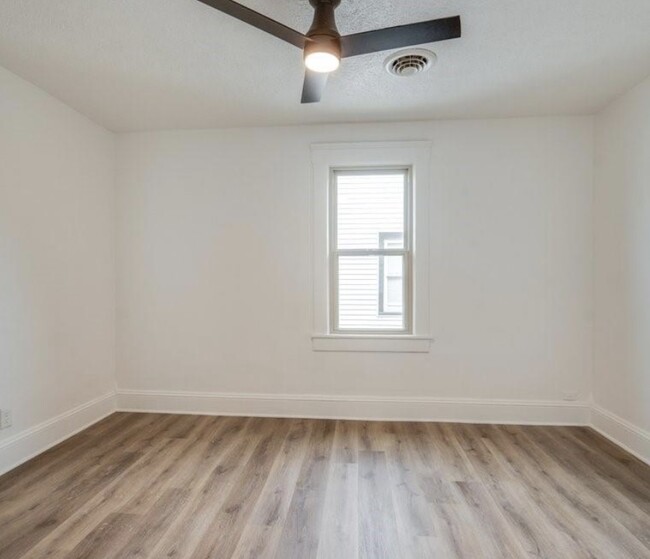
(323, 46)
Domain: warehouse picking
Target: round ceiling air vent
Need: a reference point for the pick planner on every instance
(406, 63)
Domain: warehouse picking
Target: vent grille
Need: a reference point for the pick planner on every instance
(410, 62)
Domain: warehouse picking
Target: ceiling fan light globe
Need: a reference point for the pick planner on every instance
(323, 62)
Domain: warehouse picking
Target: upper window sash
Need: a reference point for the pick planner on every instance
(335, 172)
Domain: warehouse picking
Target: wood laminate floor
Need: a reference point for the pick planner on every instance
(174, 486)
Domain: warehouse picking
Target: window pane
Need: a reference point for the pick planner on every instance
(368, 298)
(369, 206)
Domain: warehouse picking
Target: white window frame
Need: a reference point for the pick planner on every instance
(404, 252)
(415, 156)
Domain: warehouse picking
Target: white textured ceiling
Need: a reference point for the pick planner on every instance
(153, 64)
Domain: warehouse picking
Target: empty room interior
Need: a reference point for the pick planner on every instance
(324, 279)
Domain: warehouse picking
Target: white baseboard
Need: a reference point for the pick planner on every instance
(33, 441)
(621, 432)
(357, 407)
(27, 444)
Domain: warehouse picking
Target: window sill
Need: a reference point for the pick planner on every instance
(367, 343)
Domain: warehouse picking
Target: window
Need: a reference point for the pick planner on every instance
(370, 234)
(370, 250)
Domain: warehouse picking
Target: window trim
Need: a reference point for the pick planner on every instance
(326, 156)
(335, 253)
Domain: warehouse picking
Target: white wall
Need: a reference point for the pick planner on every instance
(214, 289)
(57, 265)
(622, 260)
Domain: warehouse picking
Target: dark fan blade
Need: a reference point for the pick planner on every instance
(258, 20)
(313, 86)
(401, 36)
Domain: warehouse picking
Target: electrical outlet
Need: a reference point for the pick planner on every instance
(5, 419)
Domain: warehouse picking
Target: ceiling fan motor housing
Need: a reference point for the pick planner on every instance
(323, 34)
